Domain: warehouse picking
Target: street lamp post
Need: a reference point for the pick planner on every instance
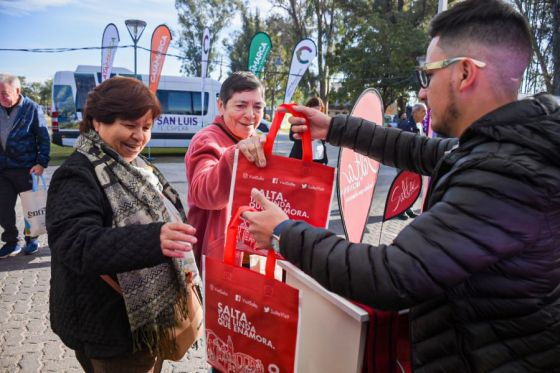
(135, 29)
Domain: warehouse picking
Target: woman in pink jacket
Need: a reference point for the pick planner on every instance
(209, 160)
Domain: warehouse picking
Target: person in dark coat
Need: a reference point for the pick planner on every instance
(112, 213)
(480, 268)
(405, 124)
(24, 152)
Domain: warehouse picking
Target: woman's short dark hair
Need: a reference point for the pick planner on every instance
(239, 81)
(118, 98)
(314, 101)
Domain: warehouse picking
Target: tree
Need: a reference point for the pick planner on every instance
(39, 92)
(320, 20)
(238, 48)
(194, 16)
(382, 41)
(544, 68)
(556, 47)
(276, 70)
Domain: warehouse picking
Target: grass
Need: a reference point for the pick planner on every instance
(160, 155)
(59, 154)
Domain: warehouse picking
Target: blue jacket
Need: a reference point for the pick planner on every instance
(28, 142)
(408, 125)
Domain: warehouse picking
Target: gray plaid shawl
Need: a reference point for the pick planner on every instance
(150, 294)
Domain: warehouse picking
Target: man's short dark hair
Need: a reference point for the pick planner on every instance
(239, 81)
(118, 98)
(494, 23)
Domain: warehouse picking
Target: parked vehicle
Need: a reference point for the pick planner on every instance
(180, 98)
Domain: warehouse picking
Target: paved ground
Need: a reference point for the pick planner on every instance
(27, 344)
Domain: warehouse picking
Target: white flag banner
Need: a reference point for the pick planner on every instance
(205, 51)
(304, 53)
(204, 63)
(109, 44)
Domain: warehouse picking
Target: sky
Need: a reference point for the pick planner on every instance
(80, 23)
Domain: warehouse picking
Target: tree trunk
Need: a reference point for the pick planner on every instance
(556, 47)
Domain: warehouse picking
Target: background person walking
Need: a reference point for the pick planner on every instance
(24, 150)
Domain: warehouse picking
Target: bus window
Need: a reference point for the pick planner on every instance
(64, 103)
(99, 76)
(84, 84)
(175, 102)
(196, 103)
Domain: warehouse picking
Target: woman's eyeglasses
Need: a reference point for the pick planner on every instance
(424, 74)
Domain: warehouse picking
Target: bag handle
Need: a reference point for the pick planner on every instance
(35, 182)
(112, 283)
(275, 126)
(231, 241)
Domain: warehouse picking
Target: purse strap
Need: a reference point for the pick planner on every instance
(231, 243)
(112, 283)
(275, 127)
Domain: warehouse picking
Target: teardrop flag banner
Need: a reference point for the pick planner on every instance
(357, 174)
(204, 67)
(259, 49)
(304, 53)
(205, 52)
(109, 44)
(160, 42)
(404, 191)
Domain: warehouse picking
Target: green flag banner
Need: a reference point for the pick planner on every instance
(258, 52)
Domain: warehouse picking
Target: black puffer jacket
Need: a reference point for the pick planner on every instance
(480, 269)
(85, 311)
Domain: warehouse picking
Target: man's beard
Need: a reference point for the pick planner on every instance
(448, 117)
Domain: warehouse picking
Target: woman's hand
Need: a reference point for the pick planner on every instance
(252, 149)
(176, 239)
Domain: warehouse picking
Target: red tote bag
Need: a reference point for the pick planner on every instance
(302, 188)
(251, 319)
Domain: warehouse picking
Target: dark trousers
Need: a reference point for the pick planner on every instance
(139, 362)
(12, 182)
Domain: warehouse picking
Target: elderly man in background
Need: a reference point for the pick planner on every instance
(418, 115)
(24, 151)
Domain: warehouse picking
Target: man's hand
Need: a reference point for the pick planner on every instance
(262, 223)
(176, 239)
(319, 122)
(37, 170)
(252, 149)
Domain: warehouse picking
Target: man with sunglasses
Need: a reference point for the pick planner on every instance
(480, 268)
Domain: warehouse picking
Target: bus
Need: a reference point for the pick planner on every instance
(180, 100)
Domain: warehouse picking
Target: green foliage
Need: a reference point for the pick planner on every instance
(380, 48)
(194, 16)
(238, 49)
(38, 92)
(543, 72)
(275, 75)
(364, 43)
